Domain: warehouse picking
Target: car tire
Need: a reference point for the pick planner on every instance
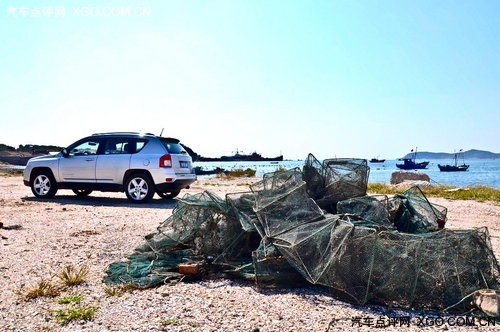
(43, 184)
(169, 195)
(82, 192)
(139, 188)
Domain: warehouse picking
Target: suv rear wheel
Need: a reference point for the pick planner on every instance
(139, 188)
(44, 184)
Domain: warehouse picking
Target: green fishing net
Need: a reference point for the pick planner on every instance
(317, 225)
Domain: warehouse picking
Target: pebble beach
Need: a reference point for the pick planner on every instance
(39, 238)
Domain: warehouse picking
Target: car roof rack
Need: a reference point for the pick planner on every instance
(123, 133)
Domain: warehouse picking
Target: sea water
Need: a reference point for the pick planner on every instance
(484, 172)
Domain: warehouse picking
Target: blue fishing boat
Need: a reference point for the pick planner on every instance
(411, 163)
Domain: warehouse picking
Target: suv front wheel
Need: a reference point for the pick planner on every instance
(139, 188)
(44, 184)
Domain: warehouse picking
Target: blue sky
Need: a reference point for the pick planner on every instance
(333, 78)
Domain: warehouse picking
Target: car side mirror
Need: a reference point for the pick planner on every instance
(65, 153)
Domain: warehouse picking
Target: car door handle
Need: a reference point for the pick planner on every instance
(90, 159)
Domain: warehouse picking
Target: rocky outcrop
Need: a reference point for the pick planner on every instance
(401, 176)
(15, 160)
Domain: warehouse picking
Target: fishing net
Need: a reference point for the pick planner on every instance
(413, 213)
(281, 202)
(201, 230)
(363, 265)
(272, 270)
(409, 212)
(334, 180)
(318, 226)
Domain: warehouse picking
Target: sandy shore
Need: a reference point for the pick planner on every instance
(105, 228)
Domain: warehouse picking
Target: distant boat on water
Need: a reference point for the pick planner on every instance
(411, 163)
(243, 157)
(250, 157)
(455, 167)
(376, 160)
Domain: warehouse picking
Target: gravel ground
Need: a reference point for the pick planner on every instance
(41, 237)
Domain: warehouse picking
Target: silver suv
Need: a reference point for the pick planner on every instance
(138, 164)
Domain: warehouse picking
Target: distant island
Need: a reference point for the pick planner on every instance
(21, 154)
(470, 154)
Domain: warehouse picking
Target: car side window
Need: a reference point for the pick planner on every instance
(140, 143)
(174, 148)
(117, 145)
(123, 145)
(85, 148)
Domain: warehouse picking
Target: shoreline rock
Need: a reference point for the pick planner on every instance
(402, 176)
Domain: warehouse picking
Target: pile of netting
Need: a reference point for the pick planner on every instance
(317, 225)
